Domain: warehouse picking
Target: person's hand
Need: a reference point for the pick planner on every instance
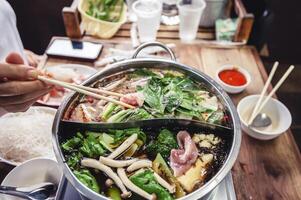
(19, 87)
(32, 58)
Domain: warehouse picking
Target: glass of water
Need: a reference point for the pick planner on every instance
(190, 16)
(148, 14)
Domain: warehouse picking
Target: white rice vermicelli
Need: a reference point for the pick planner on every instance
(26, 135)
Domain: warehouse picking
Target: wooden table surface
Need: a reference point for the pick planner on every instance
(264, 169)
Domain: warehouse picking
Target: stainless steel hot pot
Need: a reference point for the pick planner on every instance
(59, 129)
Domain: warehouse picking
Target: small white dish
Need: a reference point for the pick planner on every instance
(277, 111)
(32, 172)
(83, 70)
(230, 88)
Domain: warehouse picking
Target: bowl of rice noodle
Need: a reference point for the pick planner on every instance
(26, 135)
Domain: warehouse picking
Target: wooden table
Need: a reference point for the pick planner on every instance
(264, 169)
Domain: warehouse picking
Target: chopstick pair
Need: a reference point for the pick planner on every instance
(260, 103)
(93, 92)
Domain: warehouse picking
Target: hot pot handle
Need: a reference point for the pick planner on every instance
(148, 44)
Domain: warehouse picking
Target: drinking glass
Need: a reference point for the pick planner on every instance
(190, 16)
(148, 18)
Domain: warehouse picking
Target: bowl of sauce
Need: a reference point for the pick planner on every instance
(232, 78)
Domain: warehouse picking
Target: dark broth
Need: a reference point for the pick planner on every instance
(220, 152)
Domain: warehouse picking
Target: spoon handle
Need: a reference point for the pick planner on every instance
(13, 191)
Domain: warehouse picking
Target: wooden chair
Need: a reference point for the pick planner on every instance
(71, 19)
(245, 21)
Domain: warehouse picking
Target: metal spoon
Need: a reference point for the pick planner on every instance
(261, 120)
(39, 191)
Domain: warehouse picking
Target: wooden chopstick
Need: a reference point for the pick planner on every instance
(267, 83)
(98, 90)
(83, 91)
(288, 71)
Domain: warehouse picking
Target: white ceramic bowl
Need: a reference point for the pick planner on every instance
(32, 172)
(230, 88)
(277, 111)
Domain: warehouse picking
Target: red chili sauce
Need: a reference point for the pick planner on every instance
(232, 77)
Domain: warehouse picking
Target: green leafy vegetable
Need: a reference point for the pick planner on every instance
(129, 115)
(95, 144)
(73, 160)
(120, 116)
(167, 95)
(138, 114)
(121, 135)
(79, 146)
(92, 147)
(87, 179)
(172, 100)
(73, 142)
(153, 95)
(109, 110)
(106, 140)
(107, 10)
(147, 182)
(163, 144)
(174, 95)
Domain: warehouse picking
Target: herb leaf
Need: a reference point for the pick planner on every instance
(163, 144)
(87, 179)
